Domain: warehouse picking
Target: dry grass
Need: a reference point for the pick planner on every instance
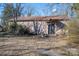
(36, 46)
(73, 31)
(28, 45)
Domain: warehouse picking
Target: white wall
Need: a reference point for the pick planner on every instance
(42, 25)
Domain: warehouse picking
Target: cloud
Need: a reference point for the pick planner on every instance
(54, 10)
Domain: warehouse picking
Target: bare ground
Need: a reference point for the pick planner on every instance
(35, 46)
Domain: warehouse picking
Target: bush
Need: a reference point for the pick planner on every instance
(12, 27)
(73, 31)
(18, 29)
(22, 30)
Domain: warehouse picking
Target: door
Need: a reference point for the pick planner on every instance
(51, 28)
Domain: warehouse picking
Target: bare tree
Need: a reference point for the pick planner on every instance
(11, 10)
(17, 11)
(31, 11)
(63, 11)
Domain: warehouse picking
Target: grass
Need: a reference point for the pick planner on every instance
(28, 45)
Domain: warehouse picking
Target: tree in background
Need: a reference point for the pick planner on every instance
(76, 8)
(30, 11)
(73, 26)
(11, 10)
(17, 12)
(58, 9)
(7, 12)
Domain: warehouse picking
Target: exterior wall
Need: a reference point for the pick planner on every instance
(60, 28)
(60, 25)
(42, 27)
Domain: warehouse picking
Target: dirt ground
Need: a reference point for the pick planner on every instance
(35, 46)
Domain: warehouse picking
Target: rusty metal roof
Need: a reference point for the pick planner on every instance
(41, 18)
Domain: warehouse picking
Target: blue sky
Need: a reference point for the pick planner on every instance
(42, 9)
(37, 6)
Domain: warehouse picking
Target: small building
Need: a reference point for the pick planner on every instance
(42, 24)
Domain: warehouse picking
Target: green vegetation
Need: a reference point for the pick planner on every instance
(11, 11)
(76, 8)
(18, 29)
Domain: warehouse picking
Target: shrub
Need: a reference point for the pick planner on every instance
(22, 30)
(12, 28)
(18, 29)
(73, 30)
